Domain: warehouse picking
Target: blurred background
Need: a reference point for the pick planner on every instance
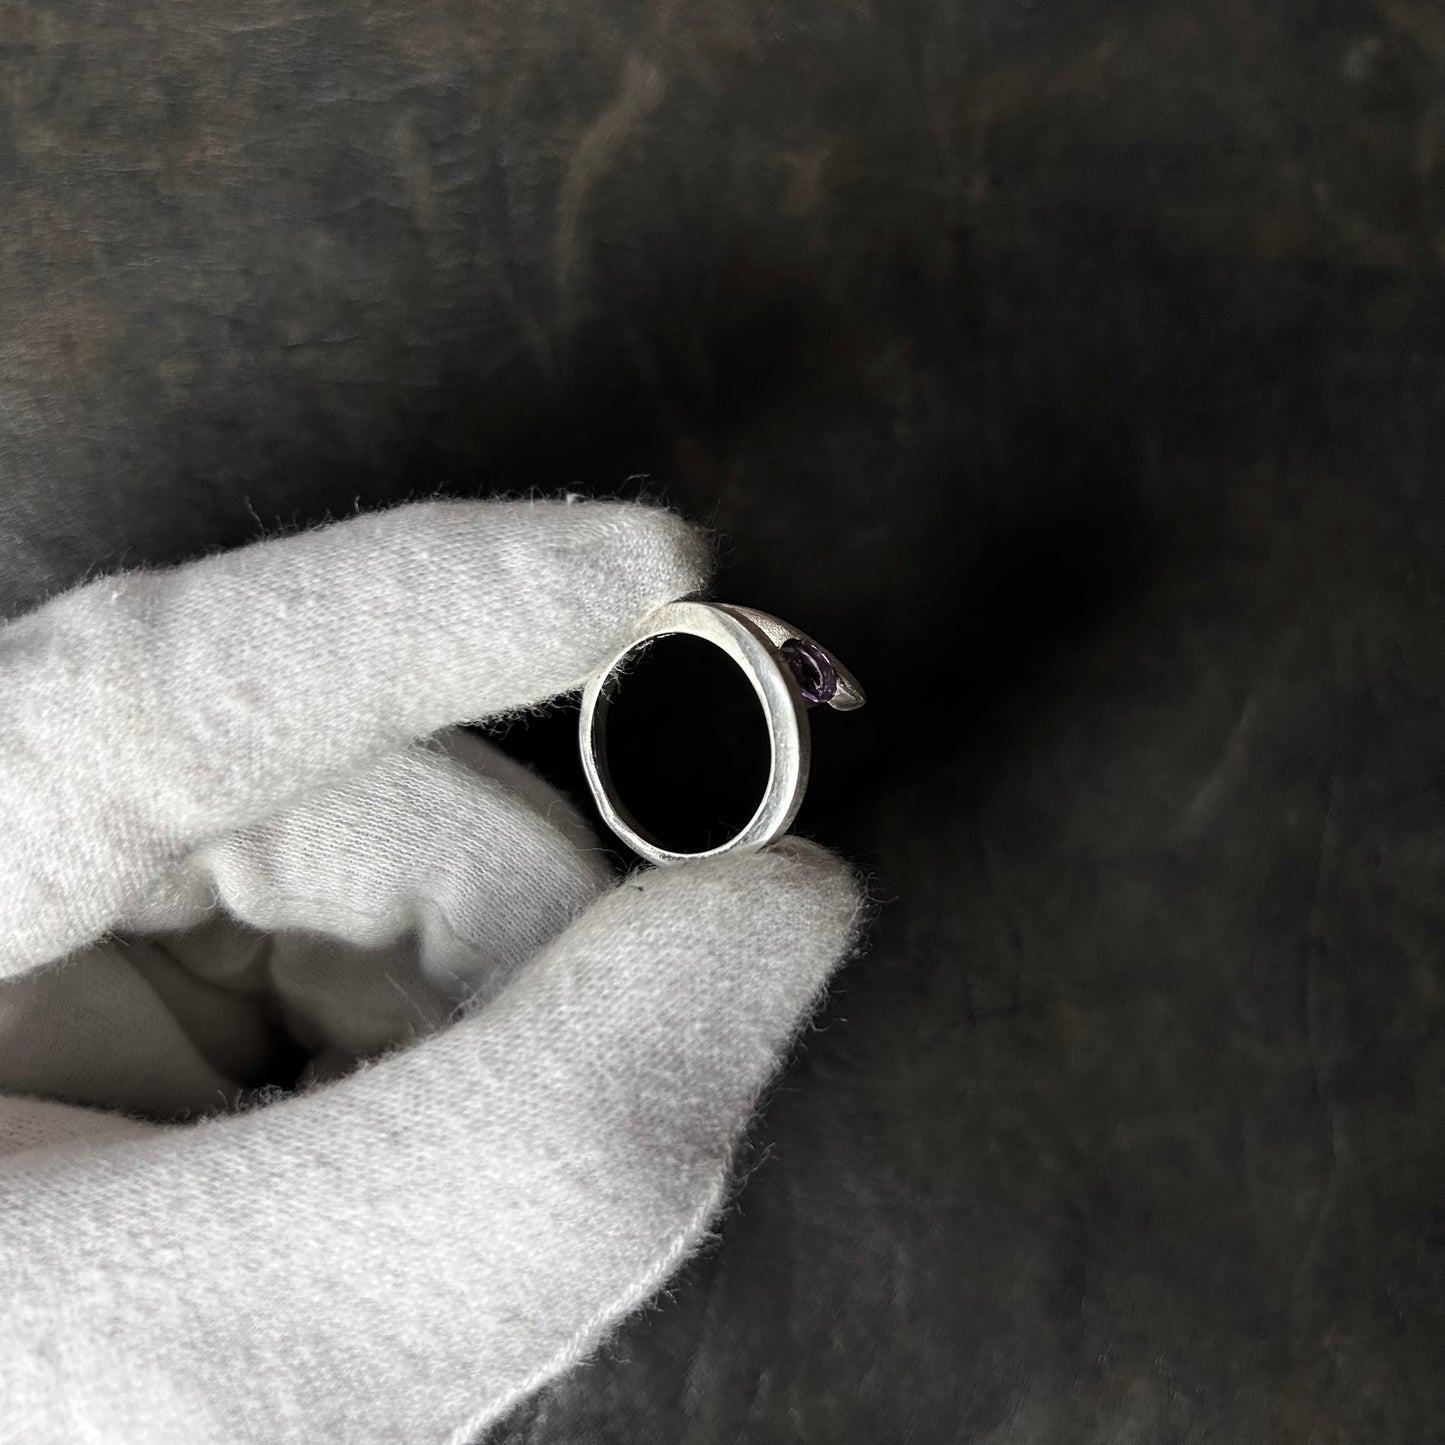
(1079, 375)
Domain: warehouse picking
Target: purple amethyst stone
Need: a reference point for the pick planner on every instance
(809, 664)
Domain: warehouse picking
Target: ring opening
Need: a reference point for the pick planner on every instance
(683, 737)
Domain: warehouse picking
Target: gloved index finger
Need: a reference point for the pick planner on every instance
(145, 712)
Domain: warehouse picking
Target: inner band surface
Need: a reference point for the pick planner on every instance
(699, 766)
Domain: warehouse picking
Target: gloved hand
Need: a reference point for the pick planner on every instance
(233, 826)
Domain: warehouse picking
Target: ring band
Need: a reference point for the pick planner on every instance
(789, 673)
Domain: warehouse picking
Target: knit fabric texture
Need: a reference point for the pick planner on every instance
(242, 827)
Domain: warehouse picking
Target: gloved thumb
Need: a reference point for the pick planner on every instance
(405, 1253)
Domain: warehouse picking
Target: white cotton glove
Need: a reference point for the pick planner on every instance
(231, 820)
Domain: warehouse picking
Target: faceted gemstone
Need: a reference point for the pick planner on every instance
(809, 664)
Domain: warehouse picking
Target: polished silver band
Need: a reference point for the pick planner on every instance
(788, 671)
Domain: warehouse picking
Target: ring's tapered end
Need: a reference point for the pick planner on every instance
(849, 696)
(820, 676)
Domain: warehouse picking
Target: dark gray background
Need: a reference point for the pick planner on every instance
(1087, 360)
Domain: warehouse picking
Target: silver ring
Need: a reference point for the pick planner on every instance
(788, 671)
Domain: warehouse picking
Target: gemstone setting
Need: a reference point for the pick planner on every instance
(809, 664)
